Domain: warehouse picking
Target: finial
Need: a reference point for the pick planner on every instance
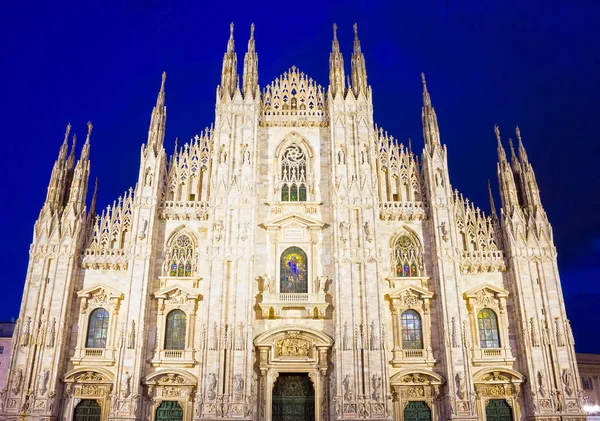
(513, 155)
(497, 131)
(355, 26)
(518, 132)
(423, 80)
(426, 97)
(335, 32)
(231, 30)
(252, 31)
(90, 127)
(67, 131)
(164, 78)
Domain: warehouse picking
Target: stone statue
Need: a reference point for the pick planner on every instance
(542, 387)
(238, 383)
(266, 284)
(347, 384)
(567, 379)
(344, 231)
(131, 336)
(17, 380)
(376, 383)
(322, 284)
(212, 385)
(368, 231)
(43, 378)
(142, 233)
(125, 385)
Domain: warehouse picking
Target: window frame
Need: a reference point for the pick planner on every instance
(93, 327)
(183, 341)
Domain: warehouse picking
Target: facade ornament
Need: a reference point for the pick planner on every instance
(43, 378)
(212, 386)
(240, 338)
(218, 229)
(238, 384)
(142, 232)
(545, 335)
(570, 333)
(344, 231)
(126, 385)
(322, 280)
(535, 342)
(369, 231)
(51, 334)
(373, 338)
(348, 387)
(244, 226)
(17, 381)
(26, 332)
(266, 286)
(246, 156)
(131, 336)
(567, 379)
(454, 333)
(541, 384)
(292, 347)
(560, 335)
(376, 384)
(461, 387)
(445, 232)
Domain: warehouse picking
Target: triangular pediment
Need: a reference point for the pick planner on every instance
(293, 218)
(410, 290)
(176, 290)
(100, 289)
(489, 288)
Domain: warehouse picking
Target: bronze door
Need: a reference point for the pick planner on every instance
(293, 398)
(87, 410)
(498, 410)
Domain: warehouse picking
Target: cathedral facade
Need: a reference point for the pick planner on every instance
(292, 262)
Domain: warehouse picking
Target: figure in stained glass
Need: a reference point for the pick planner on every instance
(293, 271)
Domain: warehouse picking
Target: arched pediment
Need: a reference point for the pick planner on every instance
(89, 375)
(318, 338)
(416, 376)
(171, 376)
(498, 375)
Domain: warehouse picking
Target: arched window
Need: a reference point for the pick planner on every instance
(97, 329)
(182, 253)
(412, 333)
(293, 271)
(488, 329)
(293, 174)
(406, 257)
(175, 331)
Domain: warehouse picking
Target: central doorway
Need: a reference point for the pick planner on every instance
(87, 410)
(293, 398)
(169, 411)
(498, 410)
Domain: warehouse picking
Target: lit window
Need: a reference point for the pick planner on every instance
(97, 329)
(175, 332)
(181, 257)
(406, 256)
(293, 174)
(488, 329)
(412, 334)
(587, 383)
(294, 271)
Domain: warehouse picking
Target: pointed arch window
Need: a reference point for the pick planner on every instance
(97, 329)
(406, 257)
(488, 329)
(176, 330)
(294, 271)
(181, 257)
(412, 332)
(293, 174)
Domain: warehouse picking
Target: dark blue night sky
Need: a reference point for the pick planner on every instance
(527, 63)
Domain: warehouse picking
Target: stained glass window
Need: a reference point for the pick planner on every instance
(294, 271)
(293, 174)
(412, 334)
(406, 257)
(182, 253)
(488, 329)
(97, 329)
(175, 331)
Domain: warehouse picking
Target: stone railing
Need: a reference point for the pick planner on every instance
(482, 261)
(312, 305)
(402, 211)
(105, 259)
(184, 210)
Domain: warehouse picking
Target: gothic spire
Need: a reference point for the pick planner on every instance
(156, 131)
(336, 66)
(431, 131)
(250, 77)
(85, 152)
(62, 154)
(522, 153)
(508, 188)
(359, 69)
(79, 182)
(59, 177)
(229, 77)
(492, 204)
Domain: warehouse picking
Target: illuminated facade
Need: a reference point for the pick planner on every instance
(293, 257)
